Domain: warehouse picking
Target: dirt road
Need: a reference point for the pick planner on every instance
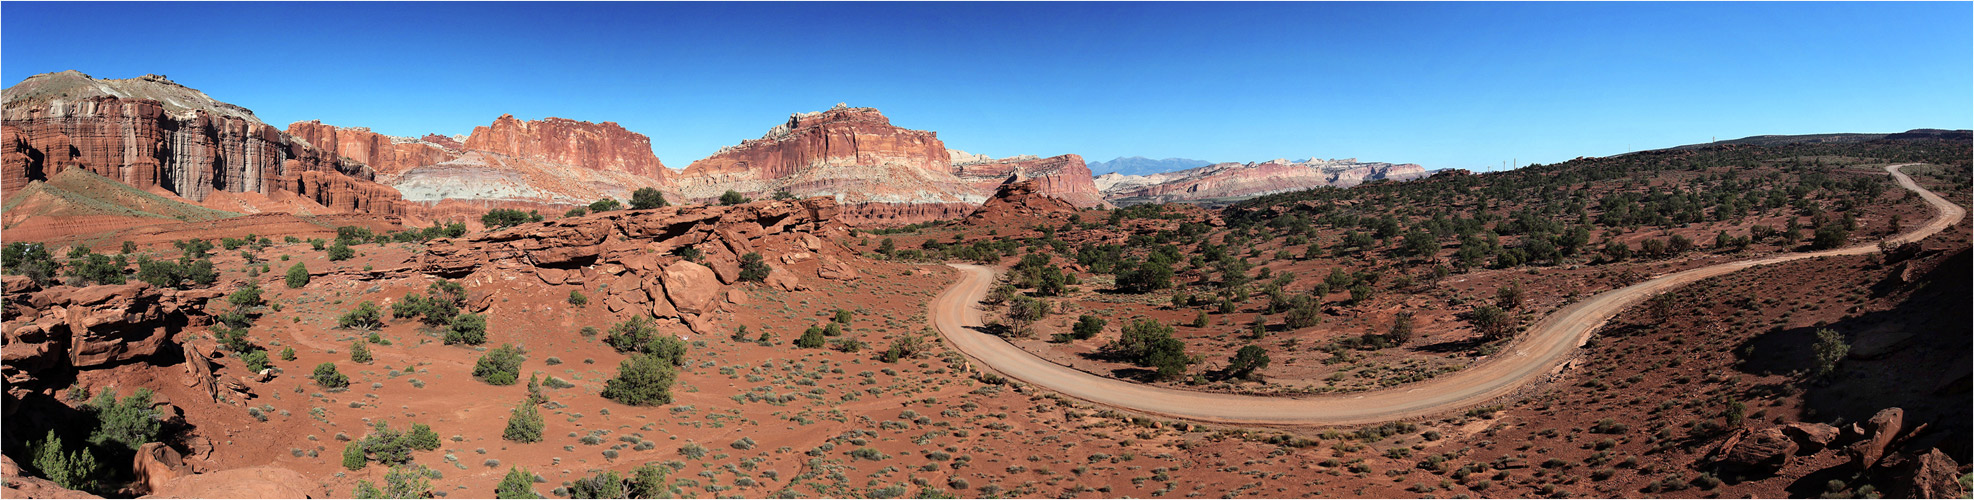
(1543, 349)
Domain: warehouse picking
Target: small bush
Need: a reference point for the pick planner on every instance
(645, 197)
(524, 425)
(519, 483)
(327, 376)
(467, 328)
(576, 298)
(642, 380)
(500, 366)
(753, 268)
(366, 316)
(297, 275)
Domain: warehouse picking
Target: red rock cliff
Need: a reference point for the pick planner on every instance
(388, 156)
(842, 136)
(150, 131)
(882, 174)
(1064, 177)
(597, 146)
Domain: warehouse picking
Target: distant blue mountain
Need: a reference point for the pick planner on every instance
(1139, 165)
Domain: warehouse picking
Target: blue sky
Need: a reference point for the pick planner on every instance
(1465, 85)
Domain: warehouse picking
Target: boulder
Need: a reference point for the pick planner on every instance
(1811, 436)
(1878, 434)
(691, 287)
(1767, 449)
(784, 280)
(1928, 475)
(834, 269)
(157, 465)
(735, 296)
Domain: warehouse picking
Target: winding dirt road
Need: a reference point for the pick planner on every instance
(1543, 349)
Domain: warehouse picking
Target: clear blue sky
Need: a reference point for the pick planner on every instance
(1441, 84)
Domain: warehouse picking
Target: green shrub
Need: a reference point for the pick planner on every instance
(605, 484)
(359, 351)
(124, 423)
(507, 217)
(631, 334)
(843, 316)
(31, 260)
(256, 360)
(467, 328)
(94, 268)
(1492, 322)
(576, 298)
(645, 197)
(327, 376)
(1830, 348)
(287, 354)
(297, 275)
(75, 470)
(648, 481)
(642, 380)
(247, 296)
(524, 425)
(184, 274)
(1088, 326)
(1249, 359)
(811, 338)
(340, 251)
(403, 481)
(422, 437)
(732, 197)
(753, 268)
(576, 212)
(353, 457)
(519, 483)
(605, 205)
(500, 366)
(366, 316)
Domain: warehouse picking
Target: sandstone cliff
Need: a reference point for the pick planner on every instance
(1064, 177)
(597, 146)
(150, 131)
(1244, 180)
(880, 172)
(388, 156)
(1016, 203)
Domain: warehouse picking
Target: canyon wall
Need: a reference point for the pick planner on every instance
(1064, 177)
(150, 131)
(1225, 181)
(598, 146)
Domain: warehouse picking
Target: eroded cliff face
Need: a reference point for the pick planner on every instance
(1243, 180)
(880, 173)
(149, 131)
(597, 146)
(388, 156)
(1065, 177)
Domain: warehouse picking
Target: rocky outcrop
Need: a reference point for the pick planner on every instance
(1932, 474)
(597, 146)
(1245, 180)
(1018, 199)
(851, 154)
(52, 332)
(342, 193)
(251, 482)
(1767, 449)
(1876, 437)
(150, 131)
(386, 155)
(156, 466)
(1064, 177)
(631, 253)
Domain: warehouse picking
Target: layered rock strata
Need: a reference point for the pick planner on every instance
(1245, 180)
(630, 253)
(1064, 177)
(150, 131)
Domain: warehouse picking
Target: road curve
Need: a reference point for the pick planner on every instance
(1543, 349)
